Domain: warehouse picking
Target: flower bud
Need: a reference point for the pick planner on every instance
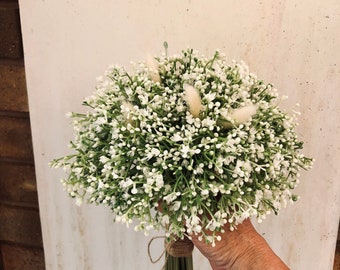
(244, 114)
(193, 99)
(152, 66)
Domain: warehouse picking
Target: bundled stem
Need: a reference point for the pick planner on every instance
(179, 255)
(179, 263)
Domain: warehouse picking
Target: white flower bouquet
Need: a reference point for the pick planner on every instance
(186, 144)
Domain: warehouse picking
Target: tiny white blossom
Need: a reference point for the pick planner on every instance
(134, 190)
(176, 137)
(127, 109)
(79, 201)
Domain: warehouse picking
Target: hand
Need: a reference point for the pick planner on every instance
(240, 249)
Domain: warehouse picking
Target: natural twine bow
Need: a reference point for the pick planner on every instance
(175, 248)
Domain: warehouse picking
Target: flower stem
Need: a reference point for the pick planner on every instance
(178, 263)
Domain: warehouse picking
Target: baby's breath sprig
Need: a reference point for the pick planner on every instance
(186, 144)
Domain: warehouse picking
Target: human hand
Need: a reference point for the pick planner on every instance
(241, 249)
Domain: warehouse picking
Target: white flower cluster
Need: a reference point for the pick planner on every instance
(184, 143)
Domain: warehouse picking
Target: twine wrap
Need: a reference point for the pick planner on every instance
(180, 248)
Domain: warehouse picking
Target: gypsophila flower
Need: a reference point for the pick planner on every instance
(186, 144)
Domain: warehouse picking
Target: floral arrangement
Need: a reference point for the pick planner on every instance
(184, 143)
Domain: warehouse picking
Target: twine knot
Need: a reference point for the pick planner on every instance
(180, 248)
(176, 248)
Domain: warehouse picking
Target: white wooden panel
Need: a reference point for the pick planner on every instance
(294, 44)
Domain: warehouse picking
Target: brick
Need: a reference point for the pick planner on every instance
(1, 263)
(20, 225)
(15, 138)
(18, 183)
(22, 258)
(13, 92)
(10, 32)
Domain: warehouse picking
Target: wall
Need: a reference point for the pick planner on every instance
(293, 44)
(20, 231)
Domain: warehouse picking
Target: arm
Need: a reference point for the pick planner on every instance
(241, 249)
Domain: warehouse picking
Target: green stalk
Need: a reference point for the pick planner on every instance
(178, 263)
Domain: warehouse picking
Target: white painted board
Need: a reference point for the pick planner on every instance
(293, 44)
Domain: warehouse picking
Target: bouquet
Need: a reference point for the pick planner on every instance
(186, 144)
